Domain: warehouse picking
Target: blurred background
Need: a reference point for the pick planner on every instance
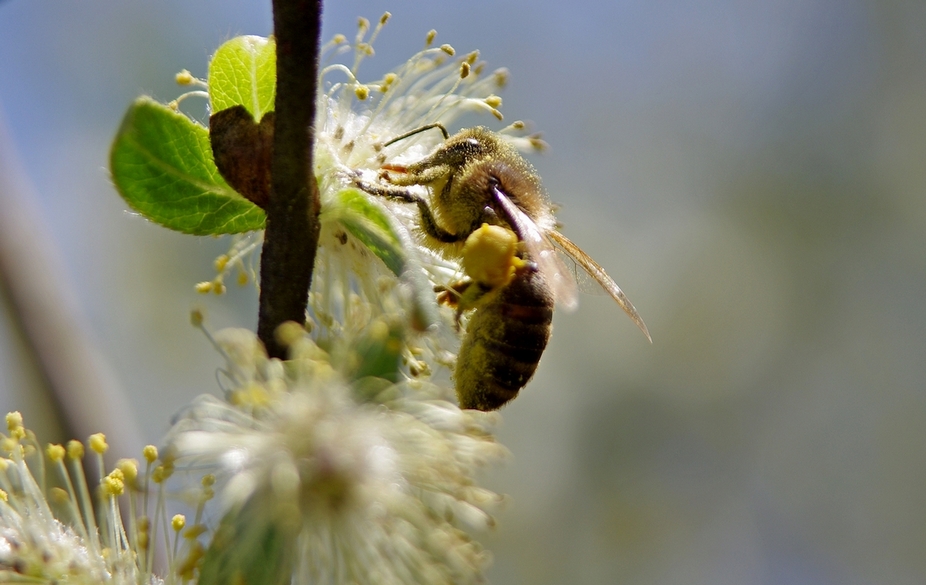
(751, 173)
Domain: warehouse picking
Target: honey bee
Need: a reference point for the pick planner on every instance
(477, 179)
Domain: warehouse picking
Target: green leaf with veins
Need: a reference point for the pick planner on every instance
(369, 224)
(161, 163)
(243, 72)
(390, 242)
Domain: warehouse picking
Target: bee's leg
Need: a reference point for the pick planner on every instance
(428, 223)
(421, 173)
(463, 295)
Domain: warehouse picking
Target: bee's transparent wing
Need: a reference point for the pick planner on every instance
(601, 277)
(542, 252)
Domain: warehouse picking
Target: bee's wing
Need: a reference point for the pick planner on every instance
(601, 277)
(542, 252)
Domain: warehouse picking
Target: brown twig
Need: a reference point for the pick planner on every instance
(291, 235)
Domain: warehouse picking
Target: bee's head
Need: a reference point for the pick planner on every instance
(512, 177)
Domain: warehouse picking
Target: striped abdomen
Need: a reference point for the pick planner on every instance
(503, 344)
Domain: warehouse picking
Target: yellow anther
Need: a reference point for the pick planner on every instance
(288, 333)
(158, 475)
(194, 531)
(113, 484)
(385, 18)
(4, 463)
(4, 496)
(150, 453)
(178, 522)
(493, 101)
(363, 24)
(117, 474)
(14, 420)
(497, 114)
(471, 58)
(237, 398)
(518, 125)
(208, 480)
(8, 445)
(97, 442)
(242, 278)
(255, 395)
(218, 287)
(221, 262)
(537, 143)
(429, 38)
(448, 49)
(165, 470)
(58, 495)
(184, 78)
(55, 452)
(501, 77)
(338, 39)
(388, 80)
(128, 468)
(204, 287)
(196, 318)
(418, 368)
(477, 70)
(464, 70)
(75, 449)
(14, 423)
(379, 330)
(362, 92)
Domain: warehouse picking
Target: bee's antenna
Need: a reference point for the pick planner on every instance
(419, 130)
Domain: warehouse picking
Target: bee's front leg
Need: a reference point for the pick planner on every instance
(428, 223)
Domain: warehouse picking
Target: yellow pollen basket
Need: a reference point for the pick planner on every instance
(489, 255)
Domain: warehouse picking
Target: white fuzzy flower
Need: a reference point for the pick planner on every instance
(66, 535)
(367, 481)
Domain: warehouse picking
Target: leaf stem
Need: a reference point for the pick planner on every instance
(291, 234)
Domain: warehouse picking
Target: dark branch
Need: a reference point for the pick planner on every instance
(291, 235)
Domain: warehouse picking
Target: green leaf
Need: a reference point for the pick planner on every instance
(378, 352)
(161, 163)
(243, 72)
(251, 546)
(369, 224)
(390, 242)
